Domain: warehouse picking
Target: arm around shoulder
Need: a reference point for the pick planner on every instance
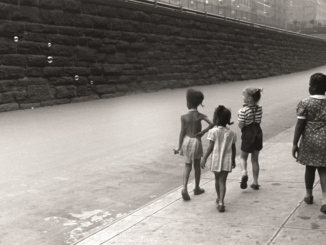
(210, 126)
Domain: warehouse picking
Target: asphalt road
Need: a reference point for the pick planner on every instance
(69, 170)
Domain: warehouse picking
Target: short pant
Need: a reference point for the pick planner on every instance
(252, 138)
(191, 149)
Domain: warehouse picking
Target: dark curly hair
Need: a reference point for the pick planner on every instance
(195, 97)
(318, 80)
(222, 116)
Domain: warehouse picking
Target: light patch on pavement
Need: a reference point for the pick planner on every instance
(70, 223)
(120, 215)
(86, 214)
(33, 191)
(60, 178)
(86, 219)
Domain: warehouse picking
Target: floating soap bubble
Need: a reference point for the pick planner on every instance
(50, 59)
(76, 78)
(32, 108)
(16, 39)
(49, 45)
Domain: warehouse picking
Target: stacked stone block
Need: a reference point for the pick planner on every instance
(123, 48)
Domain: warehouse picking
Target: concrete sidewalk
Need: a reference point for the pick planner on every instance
(275, 214)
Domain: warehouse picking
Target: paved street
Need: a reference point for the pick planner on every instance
(69, 170)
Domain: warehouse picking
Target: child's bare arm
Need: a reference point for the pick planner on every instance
(181, 135)
(241, 119)
(300, 126)
(208, 152)
(210, 126)
(234, 152)
(241, 125)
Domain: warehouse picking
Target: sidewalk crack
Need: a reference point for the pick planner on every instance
(285, 221)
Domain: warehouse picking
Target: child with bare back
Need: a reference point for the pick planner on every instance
(189, 140)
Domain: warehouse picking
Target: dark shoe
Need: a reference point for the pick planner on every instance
(199, 191)
(185, 196)
(309, 200)
(221, 208)
(244, 180)
(323, 208)
(255, 187)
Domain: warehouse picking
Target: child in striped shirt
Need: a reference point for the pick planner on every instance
(249, 119)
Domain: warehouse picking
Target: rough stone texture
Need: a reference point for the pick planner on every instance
(123, 48)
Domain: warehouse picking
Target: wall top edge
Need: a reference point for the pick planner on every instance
(210, 19)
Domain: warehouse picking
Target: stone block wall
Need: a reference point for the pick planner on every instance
(116, 48)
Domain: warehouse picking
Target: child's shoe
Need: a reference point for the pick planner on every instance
(243, 183)
(199, 191)
(309, 200)
(255, 187)
(221, 208)
(185, 196)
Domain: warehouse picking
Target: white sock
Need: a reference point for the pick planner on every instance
(244, 172)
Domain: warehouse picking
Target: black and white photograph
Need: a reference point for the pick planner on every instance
(162, 122)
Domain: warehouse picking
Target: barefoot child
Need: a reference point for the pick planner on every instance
(222, 144)
(249, 119)
(189, 140)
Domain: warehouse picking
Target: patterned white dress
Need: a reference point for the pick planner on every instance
(312, 149)
(223, 138)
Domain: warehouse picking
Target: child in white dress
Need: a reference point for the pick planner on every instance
(222, 146)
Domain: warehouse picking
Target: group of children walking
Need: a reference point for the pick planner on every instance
(221, 142)
(310, 130)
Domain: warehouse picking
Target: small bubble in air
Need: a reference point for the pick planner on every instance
(50, 59)
(76, 78)
(32, 108)
(49, 45)
(16, 39)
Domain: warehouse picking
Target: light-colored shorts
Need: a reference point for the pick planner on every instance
(191, 149)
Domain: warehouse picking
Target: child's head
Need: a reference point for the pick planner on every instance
(194, 98)
(251, 95)
(317, 84)
(222, 116)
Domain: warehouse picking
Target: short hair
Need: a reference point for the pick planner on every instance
(195, 97)
(319, 80)
(222, 115)
(254, 93)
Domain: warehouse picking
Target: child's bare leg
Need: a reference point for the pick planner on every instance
(197, 168)
(217, 186)
(243, 165)
(309, 179)
(322, 177)
(243, 162)
(186, 175)
(197, 172)
(222, 184)
(255, 166)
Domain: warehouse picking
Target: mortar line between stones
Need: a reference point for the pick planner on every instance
(286, 220)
